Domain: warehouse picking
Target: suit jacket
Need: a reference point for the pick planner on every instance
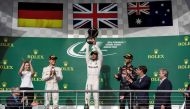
(163, 98)
(142, 98)
(12, 103)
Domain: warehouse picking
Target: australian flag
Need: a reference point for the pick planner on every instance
(149, 14)
(98, 15)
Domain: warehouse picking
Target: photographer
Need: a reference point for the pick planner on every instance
(126, 70)
(15, 101)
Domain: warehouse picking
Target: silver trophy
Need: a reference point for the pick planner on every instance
(92, 34)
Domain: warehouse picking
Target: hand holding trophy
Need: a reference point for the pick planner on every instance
(92, 34)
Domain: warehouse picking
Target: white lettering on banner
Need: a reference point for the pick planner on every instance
(35, 56)
(113, 44)
(108, 46)
(6, 44)
(183, 43)
(155, 56)
(183, 67)
(5, 67)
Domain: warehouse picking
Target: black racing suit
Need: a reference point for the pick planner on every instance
(124, 85)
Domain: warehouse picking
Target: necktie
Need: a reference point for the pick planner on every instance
(140, 80)
(160, 82)
(16, 99)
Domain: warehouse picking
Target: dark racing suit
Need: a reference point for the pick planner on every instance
(124, 85)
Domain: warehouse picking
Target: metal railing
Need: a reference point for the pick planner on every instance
(107, 98)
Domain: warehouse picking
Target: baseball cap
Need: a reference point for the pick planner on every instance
(128, 56)
(53, 57)
(94, 52)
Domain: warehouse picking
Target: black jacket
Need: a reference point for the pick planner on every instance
(124, 84)
(12, 103)
(142, 98)
(163, 98)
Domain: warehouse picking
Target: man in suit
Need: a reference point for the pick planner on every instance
(14, 101)
(162, 99)
(142, 83)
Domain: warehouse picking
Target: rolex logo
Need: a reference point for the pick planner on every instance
(36, 78)
(155, 77)
(186, 84)
(4, 84)
(66, 67)
(155, 74)
(156, 55)
(5, 40)
(156, 51)
(6, 43)
(186, 61)
(4, 65)
(5, 62)
(185, 42)
(35, 51)
(65, 63)
(186, 38)
(35, 55)
(65, 86)
(185, 65)
(35, 75)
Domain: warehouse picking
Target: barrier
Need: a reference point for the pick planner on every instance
(74, 99)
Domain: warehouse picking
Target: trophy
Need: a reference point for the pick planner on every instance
(92, 34)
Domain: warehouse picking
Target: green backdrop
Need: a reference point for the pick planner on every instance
(170, 52)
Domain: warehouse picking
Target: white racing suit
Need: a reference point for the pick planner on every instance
(51, 84)
(93, 72)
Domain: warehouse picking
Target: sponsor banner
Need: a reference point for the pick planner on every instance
(155, 53)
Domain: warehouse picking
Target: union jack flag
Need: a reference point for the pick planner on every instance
(138, 8)
(101, 15)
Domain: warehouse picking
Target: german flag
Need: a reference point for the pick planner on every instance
(44, 15)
